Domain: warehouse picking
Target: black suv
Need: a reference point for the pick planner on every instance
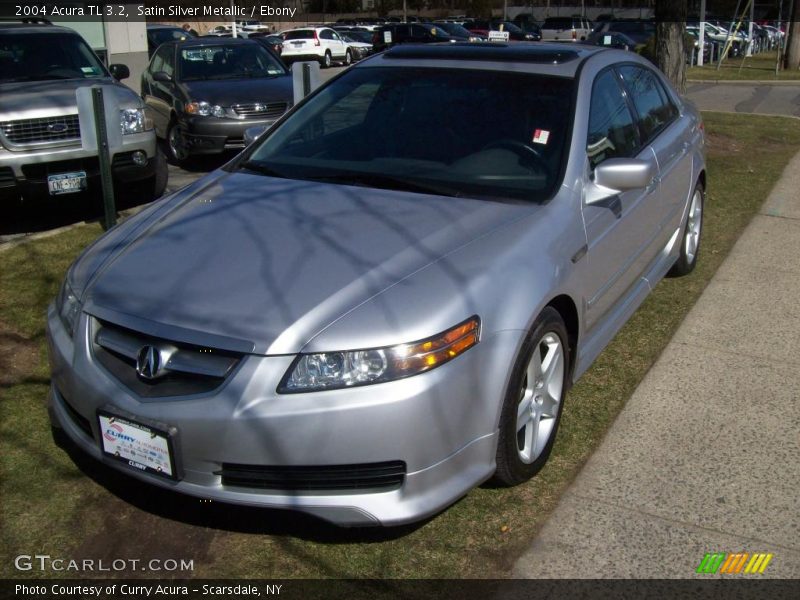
(407, 33)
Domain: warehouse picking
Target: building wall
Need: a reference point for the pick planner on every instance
(127, 44)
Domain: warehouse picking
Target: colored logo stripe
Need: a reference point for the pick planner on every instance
(734, 563)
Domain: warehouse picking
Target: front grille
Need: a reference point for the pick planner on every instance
(190, 369)
(79, 420)
(48, 129)
(378, 477)
(258, 110)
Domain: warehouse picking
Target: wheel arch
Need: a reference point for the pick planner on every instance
(565, 307)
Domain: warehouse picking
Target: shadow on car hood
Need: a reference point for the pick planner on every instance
(273, 261)
(35, 99)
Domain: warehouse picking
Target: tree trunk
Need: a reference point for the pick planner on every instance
(792, 60)
(670, 32)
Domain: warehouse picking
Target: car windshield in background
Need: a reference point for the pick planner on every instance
(360, 36)
(455, 29)
(39, 57)
(159, 36)
(299, 34)
(558, 23)
(427, 130)
(227, 62)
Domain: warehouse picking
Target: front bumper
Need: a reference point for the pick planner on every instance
(25, 172)
(210, 135)
(442, 425)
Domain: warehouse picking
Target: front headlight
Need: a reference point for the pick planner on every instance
(335, 370)
(69, 307)
(204, 109)
(131, 120)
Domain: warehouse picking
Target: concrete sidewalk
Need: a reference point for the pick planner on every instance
(781, 98)
(705, 456)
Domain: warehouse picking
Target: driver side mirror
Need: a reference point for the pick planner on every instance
(119, 71)
(616, 175)
(162, 77)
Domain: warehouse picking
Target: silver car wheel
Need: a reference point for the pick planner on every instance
(540, 398)
(692, 238)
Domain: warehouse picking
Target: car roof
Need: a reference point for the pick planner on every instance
(22, 28)
(532, 57)
(161, 26)
(213, 41)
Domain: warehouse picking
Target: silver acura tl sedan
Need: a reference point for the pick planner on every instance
(366, 331)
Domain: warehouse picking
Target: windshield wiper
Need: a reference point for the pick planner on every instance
(260, 168)
(388, 182)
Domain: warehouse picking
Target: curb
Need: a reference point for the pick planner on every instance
(746, 82)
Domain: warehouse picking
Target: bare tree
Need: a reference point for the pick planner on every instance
(670, 33)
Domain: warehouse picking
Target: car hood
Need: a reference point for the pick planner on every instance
(268, 263)
(239, 91)
(35, 99)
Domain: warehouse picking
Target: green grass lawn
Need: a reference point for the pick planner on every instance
(59, 505)
(759, 67)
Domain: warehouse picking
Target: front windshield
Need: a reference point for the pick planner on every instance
(227, 62)
(41, 57)
(454, 29)
(428, 130)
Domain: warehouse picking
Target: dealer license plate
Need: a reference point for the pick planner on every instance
(140, 446)
(66, 183)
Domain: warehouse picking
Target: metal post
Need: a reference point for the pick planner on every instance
(702, 37)
(104, 157)
(306, 79)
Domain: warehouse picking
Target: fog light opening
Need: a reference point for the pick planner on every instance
(139, 158)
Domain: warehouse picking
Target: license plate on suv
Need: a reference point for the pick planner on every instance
(66, 183)
(136, 444)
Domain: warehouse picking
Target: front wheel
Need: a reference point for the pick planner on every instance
(176, 146)
(690, 242)
(533, 401)
(348, 58)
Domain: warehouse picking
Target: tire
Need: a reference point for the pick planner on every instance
(161, 176)
(690, 240)
(348, 58)
(174, 146)
(326, 60)
(533, 401)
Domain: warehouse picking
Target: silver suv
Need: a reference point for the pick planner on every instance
(42, 152)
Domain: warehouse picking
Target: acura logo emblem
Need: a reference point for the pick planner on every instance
(148, 362)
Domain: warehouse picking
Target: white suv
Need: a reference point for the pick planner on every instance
(315, 43)
(566, 29)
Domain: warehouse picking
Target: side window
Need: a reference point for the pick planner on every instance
(326, 34)
(650, 99)
(162, 61)
(612, 130)
(157, 64)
